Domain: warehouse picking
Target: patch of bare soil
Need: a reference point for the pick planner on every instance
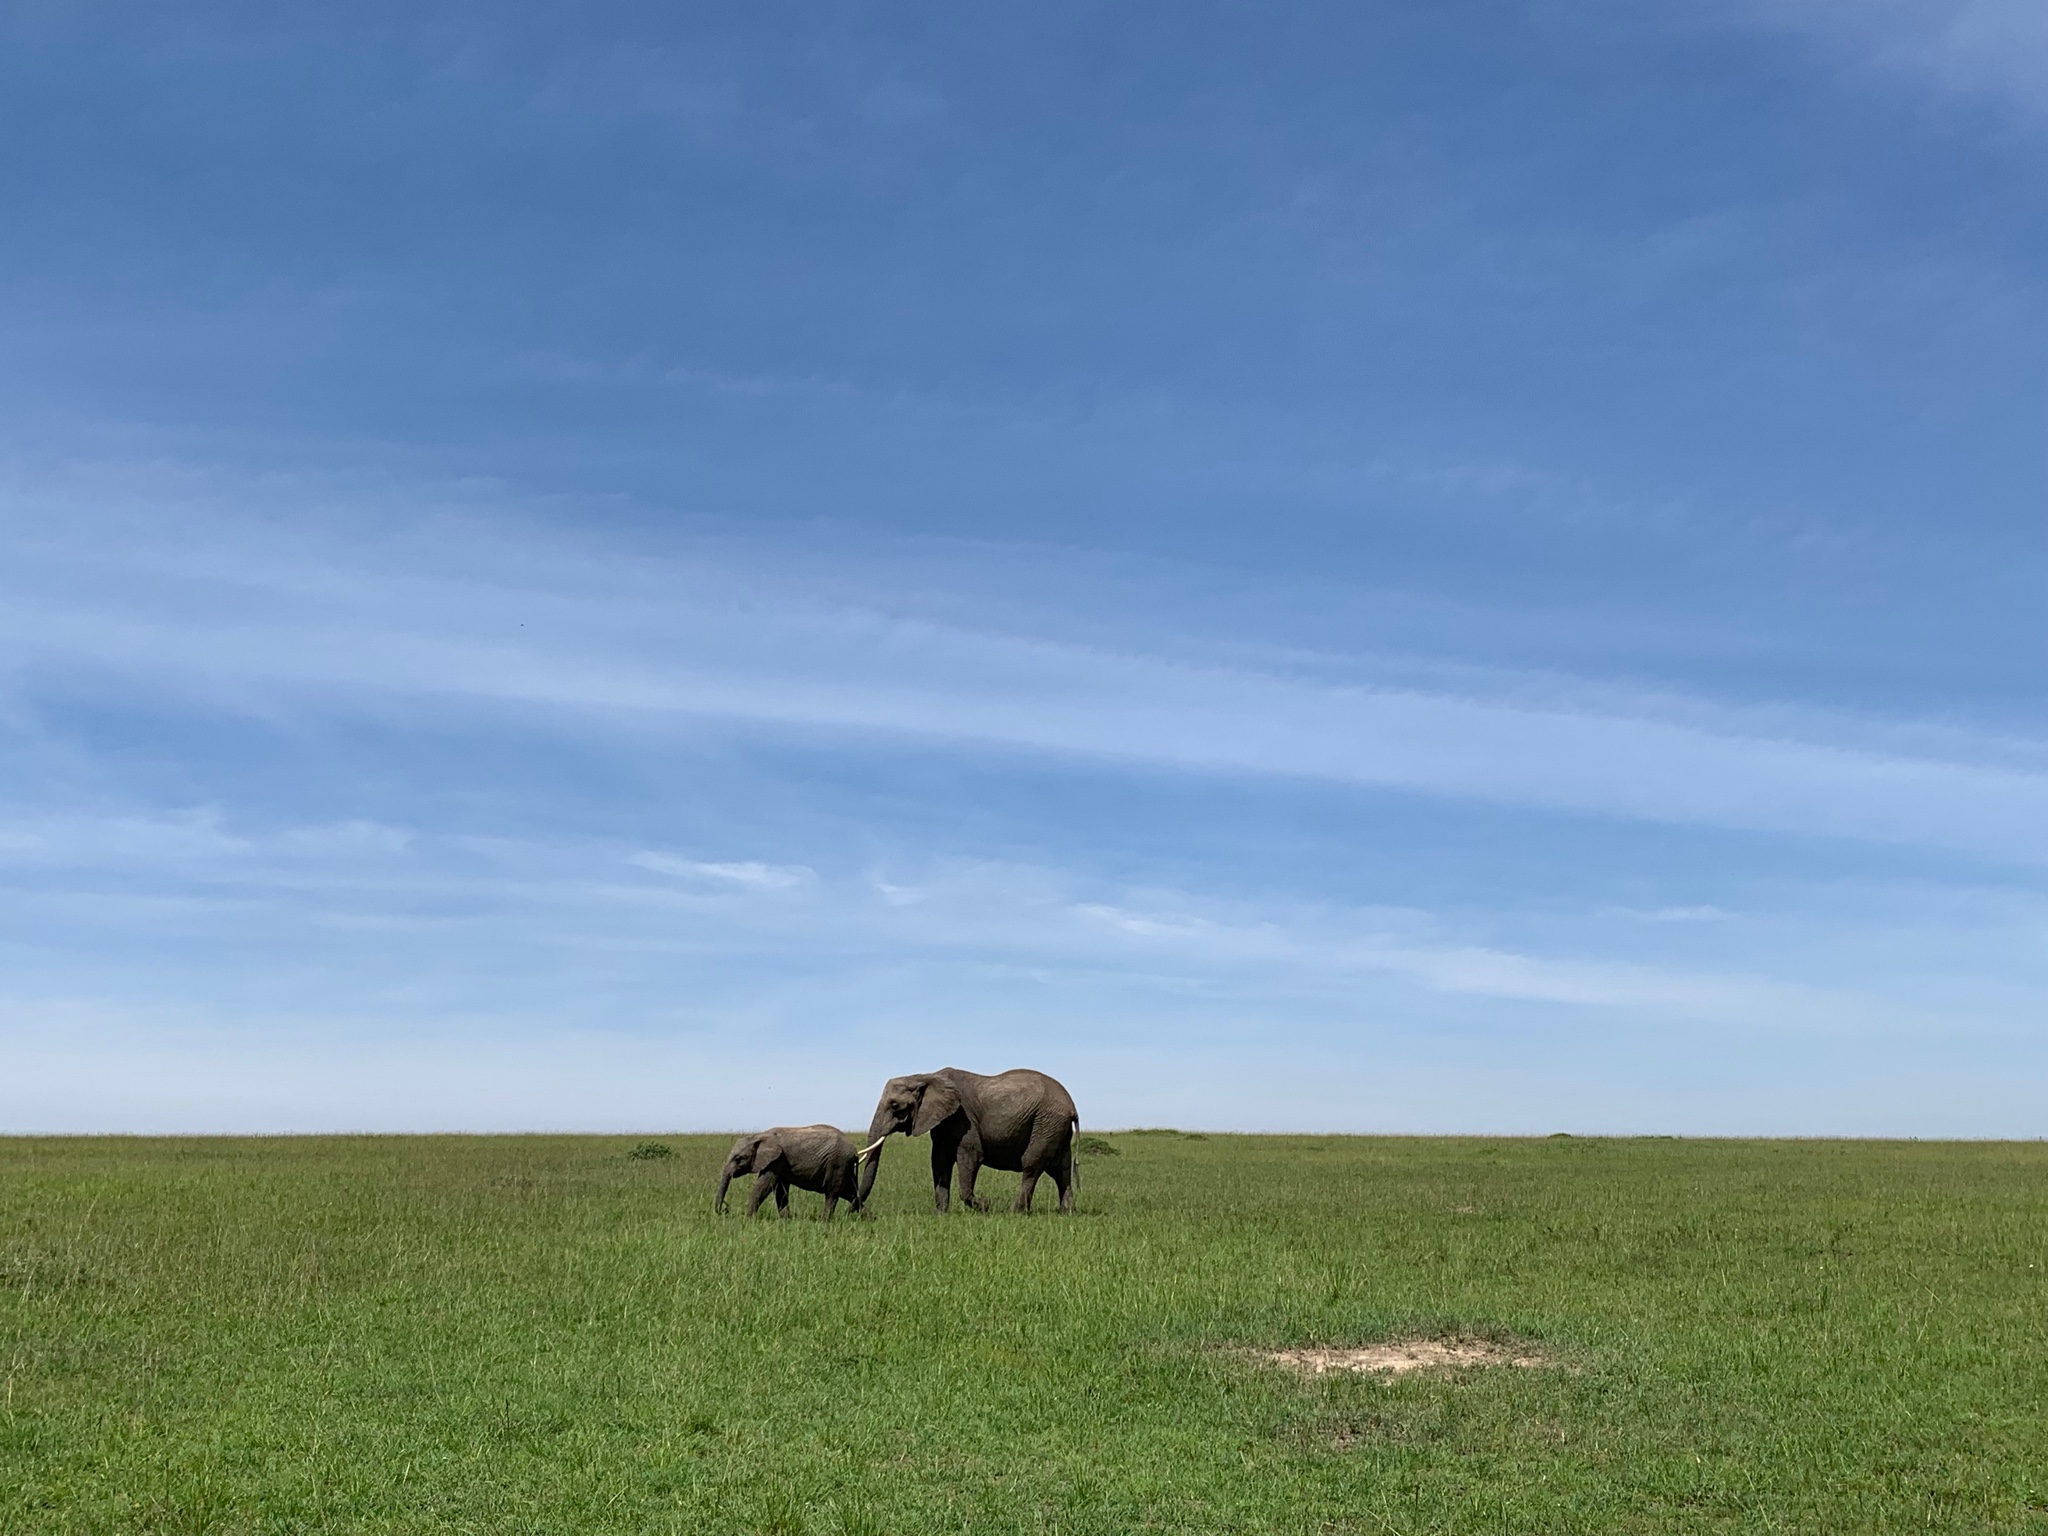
(1401, 1357)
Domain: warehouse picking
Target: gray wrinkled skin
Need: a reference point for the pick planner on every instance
(814, 1157)
(1022, 1121)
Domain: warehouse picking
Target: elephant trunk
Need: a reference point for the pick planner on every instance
(870, 1165)
(724, 1179)
(871, 1154)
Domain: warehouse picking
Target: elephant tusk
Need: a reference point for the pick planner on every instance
(868, 1151)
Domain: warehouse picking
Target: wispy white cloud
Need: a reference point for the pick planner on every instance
(755, 876)
(1362, 942)
(1992, 48)
(639, 1001)
(264, 617)
(561, 897)
(182, 841)
(359, 949)
(1693, 914)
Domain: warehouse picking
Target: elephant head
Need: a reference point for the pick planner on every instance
(913, 1105)
(750, 1154)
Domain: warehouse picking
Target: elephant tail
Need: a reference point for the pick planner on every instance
(1074, 1158)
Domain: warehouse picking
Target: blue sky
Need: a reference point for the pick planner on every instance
(1439, 566)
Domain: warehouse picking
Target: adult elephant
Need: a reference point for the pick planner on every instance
(1022, 1121)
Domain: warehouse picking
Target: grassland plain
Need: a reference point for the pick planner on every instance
(540, 1334)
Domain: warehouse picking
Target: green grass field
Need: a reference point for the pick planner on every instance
(539, 1334)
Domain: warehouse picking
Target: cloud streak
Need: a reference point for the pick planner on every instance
(625, 990)
(159, 879)
(1996, 48)
(265, 618)
(748, 874)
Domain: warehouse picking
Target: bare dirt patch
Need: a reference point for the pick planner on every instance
(1399, 1357)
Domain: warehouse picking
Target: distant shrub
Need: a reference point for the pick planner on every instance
(650, 1151)
(1096, 1146)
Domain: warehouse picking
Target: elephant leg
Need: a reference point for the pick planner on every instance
(1026, 1190)
(764, 1185)
(782, 1198)
(1063, 1179)
(831, 1205)
(968, 1162)
(943, 1154)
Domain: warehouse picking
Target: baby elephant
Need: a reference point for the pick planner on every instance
(813, 1157)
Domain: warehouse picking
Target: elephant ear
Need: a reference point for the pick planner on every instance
(767, 1152)
(937, 1104)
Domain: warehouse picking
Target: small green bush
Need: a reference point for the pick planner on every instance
(1097, 1146)
(650, 1151)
